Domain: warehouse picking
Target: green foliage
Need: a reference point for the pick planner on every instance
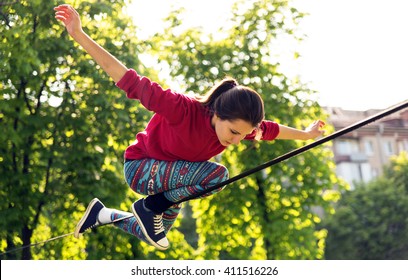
(371, 221)
(269, 215)
(65, 127)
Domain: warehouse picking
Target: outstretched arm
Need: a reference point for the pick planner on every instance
(70, 17)
(312, 131)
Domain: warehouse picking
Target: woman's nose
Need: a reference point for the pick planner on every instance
(236, 139)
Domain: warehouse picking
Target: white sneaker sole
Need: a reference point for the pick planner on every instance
(139, 221)
(84, 217)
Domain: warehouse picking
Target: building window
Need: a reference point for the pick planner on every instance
(402, 146)
(388, 148)
(369, 147)
(346, 147)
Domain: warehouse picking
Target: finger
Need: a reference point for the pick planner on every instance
(63, 6)
(61, 16)
(60, 8)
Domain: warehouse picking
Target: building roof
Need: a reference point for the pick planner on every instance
(341, 118)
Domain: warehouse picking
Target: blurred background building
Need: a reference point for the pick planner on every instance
(361, 155)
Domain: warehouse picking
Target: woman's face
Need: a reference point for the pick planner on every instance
(231, 132)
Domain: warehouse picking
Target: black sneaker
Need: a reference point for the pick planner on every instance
(151, 225)
(90, 218)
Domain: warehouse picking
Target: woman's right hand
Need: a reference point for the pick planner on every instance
(70, 17)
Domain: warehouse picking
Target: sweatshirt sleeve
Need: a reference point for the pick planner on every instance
(153, 97)
(270, 130)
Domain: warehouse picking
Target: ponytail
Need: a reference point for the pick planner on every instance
(209, 99)
(231, 101)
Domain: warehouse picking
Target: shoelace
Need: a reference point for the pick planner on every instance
(158, 224)
(93, 226)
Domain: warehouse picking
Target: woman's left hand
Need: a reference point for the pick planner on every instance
(314, 129)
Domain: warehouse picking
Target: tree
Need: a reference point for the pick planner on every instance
(269, 215)
(66, 126)
(64, 129)
(371, 221)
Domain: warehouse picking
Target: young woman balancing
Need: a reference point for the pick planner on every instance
(169, 160)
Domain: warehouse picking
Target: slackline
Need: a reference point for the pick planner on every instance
(305, 148)
(35, 244)
(57, 237)
(277, 160)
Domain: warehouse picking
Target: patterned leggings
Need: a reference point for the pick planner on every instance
(177, 180)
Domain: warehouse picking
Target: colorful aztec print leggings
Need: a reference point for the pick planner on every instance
(177, 180)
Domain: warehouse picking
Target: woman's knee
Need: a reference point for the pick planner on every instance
(223, 173)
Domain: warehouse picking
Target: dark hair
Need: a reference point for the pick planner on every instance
(231, 101)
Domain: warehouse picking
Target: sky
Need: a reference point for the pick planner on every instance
(355, 54)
